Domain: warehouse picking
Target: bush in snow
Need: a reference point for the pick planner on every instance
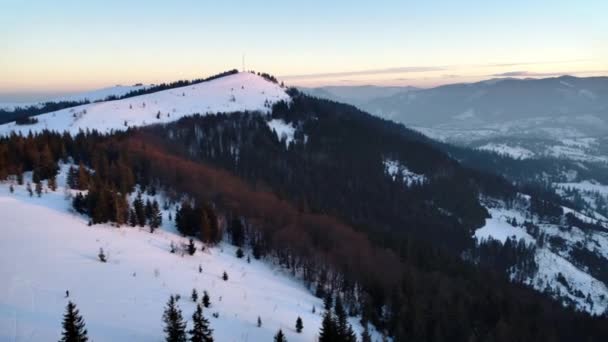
(102, 256)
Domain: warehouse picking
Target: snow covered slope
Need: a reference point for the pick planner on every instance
(239, 92)
(561, 272)
(91, 96)
(46, 250)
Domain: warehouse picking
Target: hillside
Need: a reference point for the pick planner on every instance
(239, 92)
(47, 249)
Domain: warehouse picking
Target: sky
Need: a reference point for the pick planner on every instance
(59, 46)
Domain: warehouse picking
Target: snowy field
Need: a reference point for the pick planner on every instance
(240, 92)
(46, 249)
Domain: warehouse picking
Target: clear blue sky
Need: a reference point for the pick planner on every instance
(59, 45)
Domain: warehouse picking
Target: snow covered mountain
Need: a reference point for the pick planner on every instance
(533, 114)
(238, 163)
(46, 249)
(240, 92)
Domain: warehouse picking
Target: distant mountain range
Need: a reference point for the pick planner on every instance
(569, 105)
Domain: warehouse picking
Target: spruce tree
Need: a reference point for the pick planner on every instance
(39, 188)
(239, 253)
(132, 218)
(156, 217)
(280, 337)
(175, 327)
(72, 181)
(29, 189)
(206, 301)
(73, 325)
(328, 328)
(328, 301)
(200, 331)
(259, 322)
(194, 295)
(148, 210)
(365, 335)
(191, 247)
(299, 325)
(225, 276)
(340, 317)
(138, 206)
(52, 183)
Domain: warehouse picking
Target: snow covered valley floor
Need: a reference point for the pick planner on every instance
(45, 249)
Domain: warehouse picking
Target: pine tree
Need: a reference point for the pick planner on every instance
(194, 296)
(148, 210)
(39, 189)
(138, 206)
(239, 253)
(73, 325)
(132, 218)
(52, 183)
(83, 177)
(200, 331)
(206, 302)
(280, 337)
(156, 217)
(299, 325)
(328, 328)
(365, 335)
(175, 327)
(328, 302)
(344, 330)
(259, 322)
(72, 180)
(191, 247)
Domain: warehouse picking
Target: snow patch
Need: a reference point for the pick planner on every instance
(283, 130)
(394, 168)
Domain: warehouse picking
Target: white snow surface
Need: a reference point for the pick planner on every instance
(497, 227)
(46, 249)
(394, 168)
(283, 130)
(240, 92)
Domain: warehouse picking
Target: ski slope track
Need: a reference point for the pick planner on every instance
(239, 92)
(46, 249)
